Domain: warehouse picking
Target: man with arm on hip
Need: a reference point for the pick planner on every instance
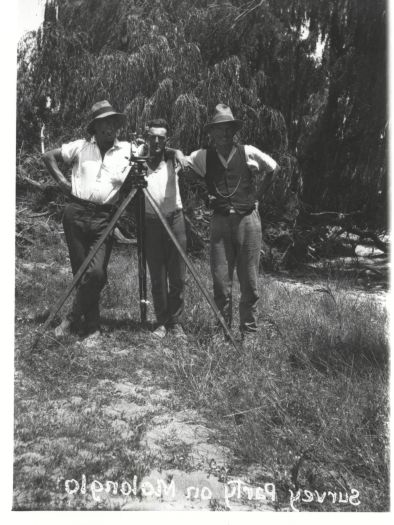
(231, 172)
(99, 167)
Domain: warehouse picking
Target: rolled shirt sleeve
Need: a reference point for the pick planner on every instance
(197, 161)
(259, 161)
(71, 150)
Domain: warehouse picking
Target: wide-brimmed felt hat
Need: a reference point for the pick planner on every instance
(103, 109)
(223, 115)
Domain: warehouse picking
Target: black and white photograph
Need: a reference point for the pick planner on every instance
(201, 257)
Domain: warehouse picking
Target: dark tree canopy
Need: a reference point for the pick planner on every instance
(323, 118)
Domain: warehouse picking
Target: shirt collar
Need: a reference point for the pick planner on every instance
(224, 161)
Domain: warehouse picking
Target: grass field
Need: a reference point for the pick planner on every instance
(305, 408)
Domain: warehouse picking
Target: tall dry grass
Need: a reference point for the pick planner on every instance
(307, 405)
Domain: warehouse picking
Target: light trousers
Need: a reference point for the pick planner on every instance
(236, 244)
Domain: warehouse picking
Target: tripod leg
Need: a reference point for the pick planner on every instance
(84, 266)
(190, 266)
(141, 253)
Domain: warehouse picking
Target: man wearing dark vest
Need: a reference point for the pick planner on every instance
(235, 175)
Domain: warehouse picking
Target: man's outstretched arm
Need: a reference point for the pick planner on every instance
(196, 161)
(178, 156)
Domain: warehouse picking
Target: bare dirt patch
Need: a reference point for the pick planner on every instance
(135, 424)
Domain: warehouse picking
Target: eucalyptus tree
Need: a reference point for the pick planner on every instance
(306, 76)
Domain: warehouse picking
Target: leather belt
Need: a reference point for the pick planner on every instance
(231, 211)
(93, 206)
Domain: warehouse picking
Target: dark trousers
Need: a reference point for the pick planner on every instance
(236, 243)
(83, 227)
(166, 267)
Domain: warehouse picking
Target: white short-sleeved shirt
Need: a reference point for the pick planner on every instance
(256, 160)
(164, 187)
(93, 178)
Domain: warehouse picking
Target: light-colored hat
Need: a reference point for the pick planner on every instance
(223, 115)
(104, 109)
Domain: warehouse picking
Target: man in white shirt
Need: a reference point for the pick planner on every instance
(99, 167)
(166, 266)
(235, 176)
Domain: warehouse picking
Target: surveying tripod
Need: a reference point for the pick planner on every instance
(136, 179)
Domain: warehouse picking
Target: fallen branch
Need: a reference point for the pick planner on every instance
(335, 213)
(35, 215)
(368, 234)
(333, 217)
(341, 219)
(32, 182)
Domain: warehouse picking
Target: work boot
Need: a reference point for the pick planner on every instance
(63, 329)
(92, 340)
(160, 332)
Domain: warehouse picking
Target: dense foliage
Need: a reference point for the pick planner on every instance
(307, 76)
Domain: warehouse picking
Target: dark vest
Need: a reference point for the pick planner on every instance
(233, 187)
